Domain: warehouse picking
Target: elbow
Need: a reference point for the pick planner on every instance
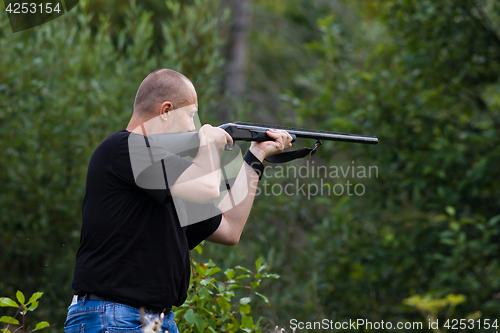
(204, 194)
(233, 240)
(211, 190)
(210, 194)
(214, 192)
(208, 186)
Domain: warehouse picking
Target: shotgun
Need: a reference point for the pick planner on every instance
(187, 143)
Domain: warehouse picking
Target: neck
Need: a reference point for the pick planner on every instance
(150, 126)
(135, 123)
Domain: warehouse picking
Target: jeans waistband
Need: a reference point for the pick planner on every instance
(92, 297)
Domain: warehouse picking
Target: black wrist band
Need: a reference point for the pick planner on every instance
(254, 163)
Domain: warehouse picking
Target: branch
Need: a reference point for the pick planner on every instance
(485, 27)
(488, 25)
(483, 106)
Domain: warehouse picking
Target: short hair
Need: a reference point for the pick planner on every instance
(160, 86)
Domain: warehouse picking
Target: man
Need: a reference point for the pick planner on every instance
(134, 252)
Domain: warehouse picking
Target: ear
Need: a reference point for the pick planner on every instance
(165, 107)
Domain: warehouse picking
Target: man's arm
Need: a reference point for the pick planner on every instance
(200, 182)
(234, 218)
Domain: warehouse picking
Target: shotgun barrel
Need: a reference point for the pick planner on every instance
(257, 132)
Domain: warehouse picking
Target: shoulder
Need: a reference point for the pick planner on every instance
(113, 143)
(115, 139)
(105, 152)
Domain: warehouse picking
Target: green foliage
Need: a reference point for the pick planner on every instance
(427, 90)
(421, 75)
(222, 304)
(64, 87)
(437, 256)
(430, 307)
(406, 75)
(23, 308)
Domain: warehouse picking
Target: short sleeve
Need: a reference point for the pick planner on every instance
(154, 169)
(157, 179)
(198, 232)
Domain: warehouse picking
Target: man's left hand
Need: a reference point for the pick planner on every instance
(282, 141)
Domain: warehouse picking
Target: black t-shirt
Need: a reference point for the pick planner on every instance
(132, 247)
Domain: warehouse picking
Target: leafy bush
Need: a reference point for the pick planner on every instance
(23, 308)
(64, 87)
(224, 304)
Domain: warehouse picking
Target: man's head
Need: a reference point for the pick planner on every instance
(169, 95)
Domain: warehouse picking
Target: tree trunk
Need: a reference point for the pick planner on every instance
(233, 84)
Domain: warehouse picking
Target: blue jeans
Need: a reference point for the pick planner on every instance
(107, 317)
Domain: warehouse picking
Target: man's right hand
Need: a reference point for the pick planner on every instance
(214, 135)
(201, 181)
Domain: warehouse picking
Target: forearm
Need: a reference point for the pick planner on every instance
(244, 188)
(236, 206)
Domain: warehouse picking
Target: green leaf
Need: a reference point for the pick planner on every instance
(198, 249)
(467, 220)
(455, 299)
(274, 276)
(236, 325)
(5, 330)
(199, 322)
(494, 220)
(263, 297)
(20, 297)
(245, 308)
(230, 273)
(189, 316)
(234, 286)
(203, 293)
(9, 320)
(244, 269)
(41, 325)
(450, 210)
(35, 297)
(5, 302)
(258, 263)
(247, 322)
(455, 226)
(440, 218)
(201, 269)
(224, 304)
(213, 270)
(33, 306)
(245, 300)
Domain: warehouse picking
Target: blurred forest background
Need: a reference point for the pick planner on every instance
(422, 75)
